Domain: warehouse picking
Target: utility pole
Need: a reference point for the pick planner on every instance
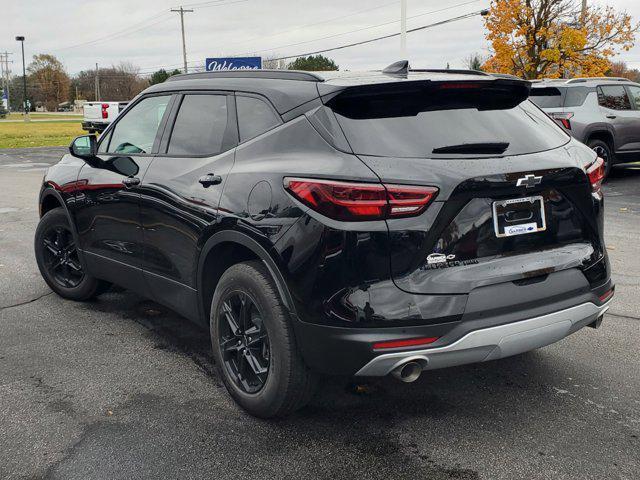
(403, 29)
(182, 11)
(97, 84)
(583, 12)
(6, 75)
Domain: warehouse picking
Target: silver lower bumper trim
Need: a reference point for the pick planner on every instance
(492, 343)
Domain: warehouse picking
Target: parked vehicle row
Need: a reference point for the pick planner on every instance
(603, 113)
(347, 223)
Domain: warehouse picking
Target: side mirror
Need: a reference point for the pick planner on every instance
(85, 147)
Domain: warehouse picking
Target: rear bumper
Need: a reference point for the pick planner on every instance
(494, 342)
(98, 126)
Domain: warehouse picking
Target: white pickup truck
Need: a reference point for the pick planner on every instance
(98, 115)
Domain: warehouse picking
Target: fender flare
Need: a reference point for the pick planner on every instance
(600, 129)
(50, 191)
(234, 236)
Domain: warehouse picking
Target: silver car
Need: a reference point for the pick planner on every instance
(603, 113)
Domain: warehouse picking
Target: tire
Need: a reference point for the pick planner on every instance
(287, 384)
(604, 151)
(54, 232)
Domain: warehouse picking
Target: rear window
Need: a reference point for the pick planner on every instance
(548, 97)
(389, 125)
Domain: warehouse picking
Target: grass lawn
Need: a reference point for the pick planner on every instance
(44, 116)
(38, 134)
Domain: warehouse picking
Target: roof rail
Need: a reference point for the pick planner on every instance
(586, 79)
(270, 74)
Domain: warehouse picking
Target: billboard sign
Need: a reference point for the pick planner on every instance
(233, 63)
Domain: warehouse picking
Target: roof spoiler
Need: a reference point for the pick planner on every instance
(406, 97)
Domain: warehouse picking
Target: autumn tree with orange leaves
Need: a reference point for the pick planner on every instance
(554, 38)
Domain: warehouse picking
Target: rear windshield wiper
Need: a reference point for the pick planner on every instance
(487, 148)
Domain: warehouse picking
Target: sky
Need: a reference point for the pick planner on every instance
(146, 34)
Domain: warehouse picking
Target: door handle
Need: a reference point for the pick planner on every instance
(210, 179)
(131, 182)
(611, 116)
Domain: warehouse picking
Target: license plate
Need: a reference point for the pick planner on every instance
(519, 216)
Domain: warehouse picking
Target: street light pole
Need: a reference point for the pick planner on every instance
(24, 81)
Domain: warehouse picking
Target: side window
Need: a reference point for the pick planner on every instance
(635, 95)
(614, 97)
(200, 126)
(104, 142)
(136, 131)
(575, 96)
(254, 117)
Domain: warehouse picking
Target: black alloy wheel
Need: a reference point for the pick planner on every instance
(59, 260)
(254, 345)
(603, 150)
(61, 257)
(244, 341)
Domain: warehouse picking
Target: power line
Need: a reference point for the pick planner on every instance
(151, 69)
(313, 24)
(136, 27)
(361, 29)
(124, 31)
(384, 37)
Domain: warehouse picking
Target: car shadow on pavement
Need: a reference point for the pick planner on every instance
(338, 396)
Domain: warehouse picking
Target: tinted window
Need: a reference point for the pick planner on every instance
(576, 96)
(524, 128)
(635, 95)
(254, 117)
(614, 97)
(200, 126)
(136, 131)
(104, 142)
(548, 97)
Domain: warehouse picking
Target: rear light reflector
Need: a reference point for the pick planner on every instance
(411, 342)
(349, 201)
(606, 296)
(104, 110)
(460, 85)
(596, 175)
(564, 118)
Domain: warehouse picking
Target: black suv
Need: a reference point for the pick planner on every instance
(354, 224)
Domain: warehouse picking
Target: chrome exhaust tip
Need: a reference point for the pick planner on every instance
(407, 372)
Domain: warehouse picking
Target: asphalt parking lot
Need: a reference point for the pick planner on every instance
(123, 388)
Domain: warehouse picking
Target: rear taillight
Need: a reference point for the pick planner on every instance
(606, 296)
(410, 342)
(360, 201)
(564, 118)
(105, 114)
(596, 175)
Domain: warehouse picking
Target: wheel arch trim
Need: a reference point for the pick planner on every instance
(234, 236)
(50, 190)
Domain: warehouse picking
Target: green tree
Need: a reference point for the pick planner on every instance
(161, 76)
(313, 63)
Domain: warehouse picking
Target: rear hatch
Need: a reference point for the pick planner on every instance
(93, 111)
(514, 201)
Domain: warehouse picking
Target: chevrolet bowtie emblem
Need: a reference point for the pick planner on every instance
(529, 181)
